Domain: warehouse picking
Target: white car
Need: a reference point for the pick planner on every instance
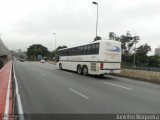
(42, 61)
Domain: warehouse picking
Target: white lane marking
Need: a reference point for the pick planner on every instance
(19, 103)
(118, 86)
(3, 68)
(44, 75)
(7, 97)
(82, 95)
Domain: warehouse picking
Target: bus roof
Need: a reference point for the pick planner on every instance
(98, 41)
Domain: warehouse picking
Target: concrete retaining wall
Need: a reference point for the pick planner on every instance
(4, 60)
(3, 49)
(140, 74)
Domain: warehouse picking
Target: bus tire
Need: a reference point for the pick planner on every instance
(79, 69)
(60, 66)
(85, 70)
(101, 75)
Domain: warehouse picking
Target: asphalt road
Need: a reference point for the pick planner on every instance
(45, 89)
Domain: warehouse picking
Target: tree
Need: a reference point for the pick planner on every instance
(112, 36)
(143, 49)
(154, 61)
(141, 54)
(127, 42)
(61, 47)
(34, 50)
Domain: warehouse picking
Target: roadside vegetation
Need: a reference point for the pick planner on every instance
(133, 55)
(37, 52)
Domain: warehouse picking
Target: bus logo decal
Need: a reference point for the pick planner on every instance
(114, 49)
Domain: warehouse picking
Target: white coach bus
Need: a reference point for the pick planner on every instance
(97, 58)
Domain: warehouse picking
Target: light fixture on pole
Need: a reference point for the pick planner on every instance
(97, 17)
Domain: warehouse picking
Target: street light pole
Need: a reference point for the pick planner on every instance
(96, 18)
(55, 48)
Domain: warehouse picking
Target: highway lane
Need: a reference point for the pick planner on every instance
(45, 89)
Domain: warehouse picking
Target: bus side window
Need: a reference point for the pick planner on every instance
(69, 52)
(93, 49)
(73, 51)
(76, 51)
(81, 50)
(97, 48)
(85, 50)
(58, 53)
(89, 49)
(66, 51)
(61, 53)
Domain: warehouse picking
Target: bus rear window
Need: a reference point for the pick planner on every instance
(95, 48)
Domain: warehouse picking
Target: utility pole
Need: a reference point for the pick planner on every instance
(55, 48)
(96, 18)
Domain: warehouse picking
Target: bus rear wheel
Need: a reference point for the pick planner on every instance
(60, 66)
(101, 75)
(79, 69)
(85, 70)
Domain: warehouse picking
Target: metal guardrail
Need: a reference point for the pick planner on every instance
(154, 69)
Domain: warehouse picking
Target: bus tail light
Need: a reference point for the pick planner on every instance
(101, 66)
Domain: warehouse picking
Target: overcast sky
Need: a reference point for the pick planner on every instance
(26, 22)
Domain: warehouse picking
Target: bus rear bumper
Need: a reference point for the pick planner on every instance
(105, 72)
(109, 71)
